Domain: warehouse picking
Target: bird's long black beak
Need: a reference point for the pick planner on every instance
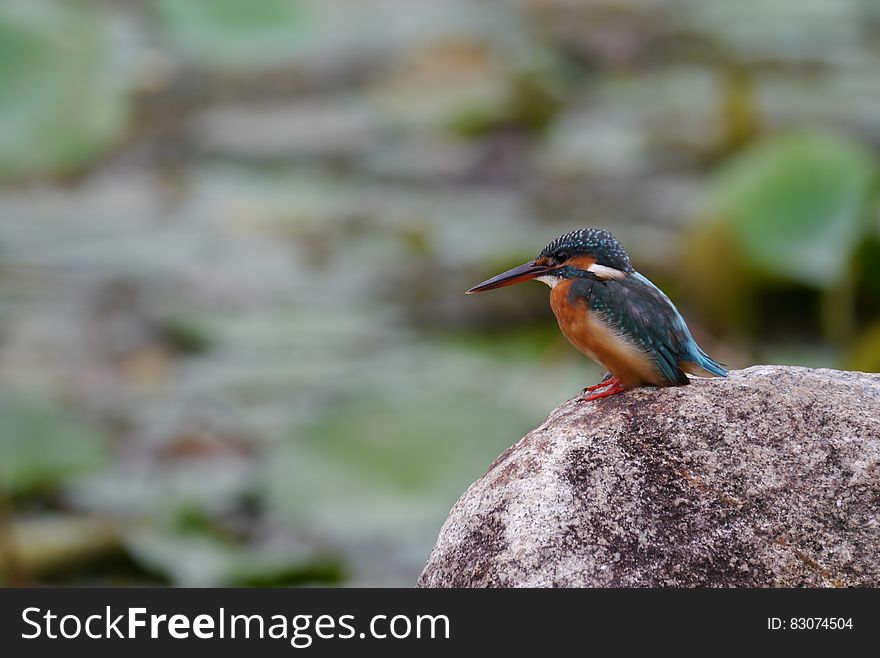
(524, 272)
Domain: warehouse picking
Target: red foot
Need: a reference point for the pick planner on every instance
(615, 388)
(610, 381)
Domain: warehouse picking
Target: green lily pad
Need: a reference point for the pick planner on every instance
(798, 205)
(63, 103)
(40, 445)
(234, 34)
(377, 479)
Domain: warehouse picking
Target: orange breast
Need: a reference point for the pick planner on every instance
(594, 337)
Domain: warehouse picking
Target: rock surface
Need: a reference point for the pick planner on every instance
(768, 478)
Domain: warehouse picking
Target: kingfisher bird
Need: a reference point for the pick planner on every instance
(613, 314)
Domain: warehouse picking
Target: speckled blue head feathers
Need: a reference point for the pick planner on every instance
(595, 242)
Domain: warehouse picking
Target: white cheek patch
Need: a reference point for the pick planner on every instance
(550, 280)
(604, 272)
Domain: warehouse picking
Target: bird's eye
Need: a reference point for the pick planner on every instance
(562, 257)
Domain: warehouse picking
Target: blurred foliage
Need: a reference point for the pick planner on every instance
(234, 237)
(741, 120)
(530, 103)
(192, 560)
(397, 458)
(51, 545)
(798, 205)
(865, 352)
(63, 100)
(796, 209)
(234, 34)
(185, 334)
(380, 473)
(41, 446)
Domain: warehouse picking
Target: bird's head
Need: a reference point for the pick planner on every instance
(590, 250)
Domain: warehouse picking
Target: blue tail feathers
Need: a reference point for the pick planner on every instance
(709, 364)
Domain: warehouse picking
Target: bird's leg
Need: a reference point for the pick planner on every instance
(607, 380)
(614, 388)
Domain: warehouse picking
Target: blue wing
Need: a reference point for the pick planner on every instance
(642, 313)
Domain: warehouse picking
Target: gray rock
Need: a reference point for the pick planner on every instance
(768, 478)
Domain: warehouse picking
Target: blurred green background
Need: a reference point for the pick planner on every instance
(234, 237)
